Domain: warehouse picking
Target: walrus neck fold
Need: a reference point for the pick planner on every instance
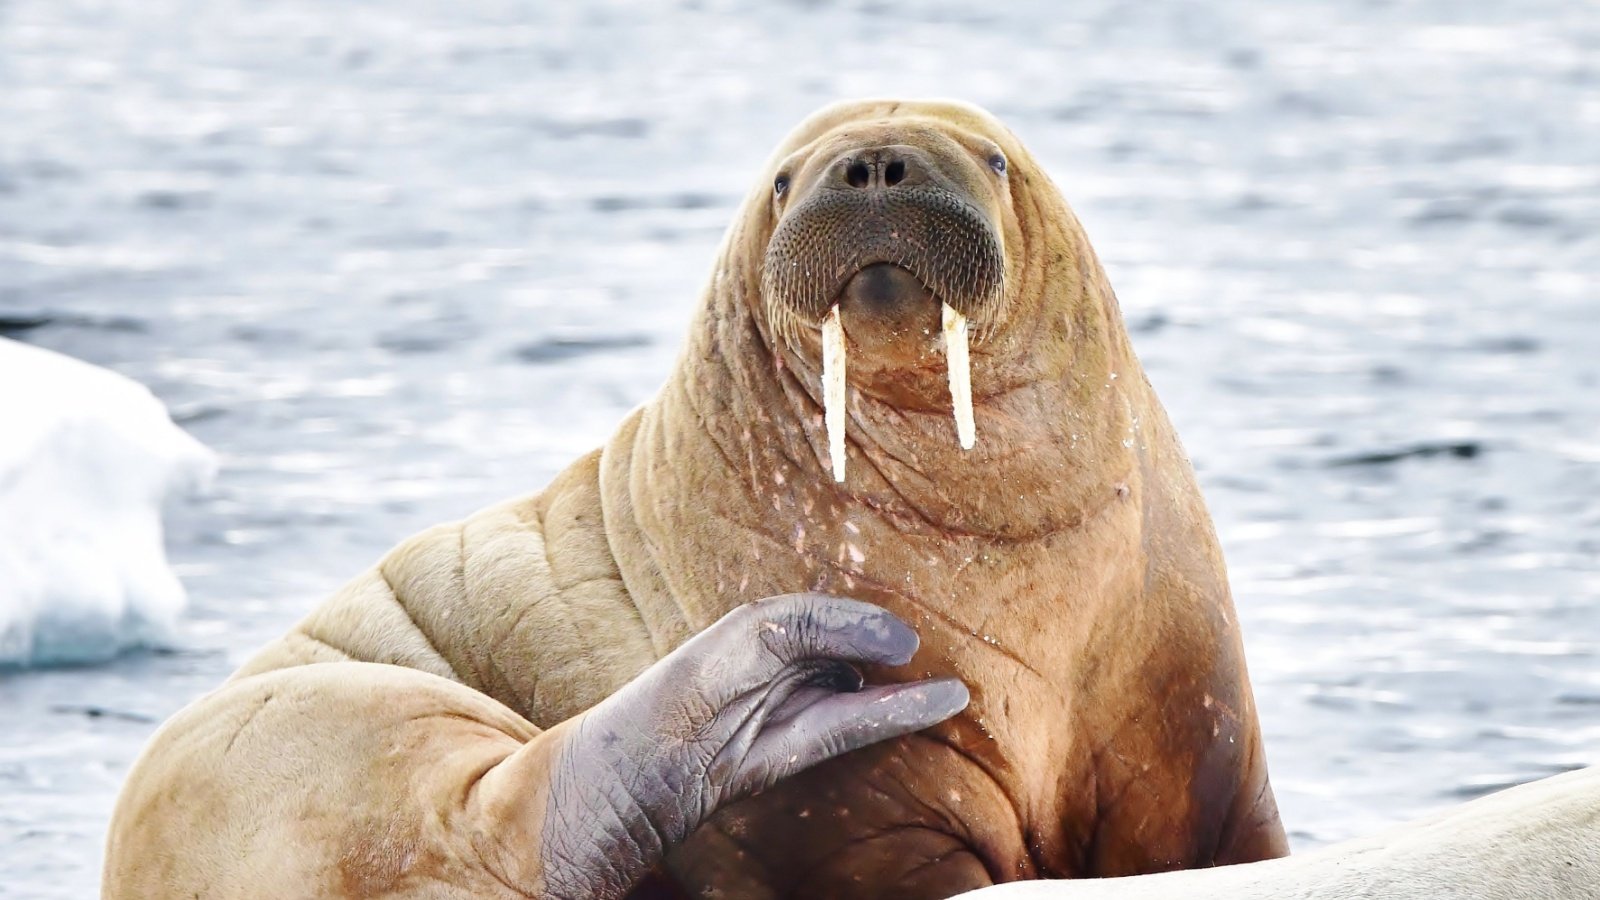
(756, 408)
(720, 489)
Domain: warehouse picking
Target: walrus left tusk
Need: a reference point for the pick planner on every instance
(960, 366)
(833, 389)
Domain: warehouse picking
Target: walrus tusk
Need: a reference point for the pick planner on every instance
(833, 389)
(960, 366)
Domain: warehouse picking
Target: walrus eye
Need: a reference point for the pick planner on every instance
(780, 184)
(997, 162)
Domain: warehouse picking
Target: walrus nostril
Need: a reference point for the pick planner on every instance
(857, 174)
(895, 173)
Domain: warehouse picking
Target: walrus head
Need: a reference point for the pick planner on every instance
(895, 240)
(990, 383)
(893, 218)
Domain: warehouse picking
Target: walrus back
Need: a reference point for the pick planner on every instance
(521, 601)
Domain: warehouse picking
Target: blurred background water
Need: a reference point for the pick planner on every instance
(394, 260)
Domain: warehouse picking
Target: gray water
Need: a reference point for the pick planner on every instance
(396, 259)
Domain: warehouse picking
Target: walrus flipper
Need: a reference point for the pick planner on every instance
(354, 779)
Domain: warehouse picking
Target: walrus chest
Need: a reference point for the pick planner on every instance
(908, 819)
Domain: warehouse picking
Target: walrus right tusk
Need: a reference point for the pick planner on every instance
(960, 366)
(833, 389)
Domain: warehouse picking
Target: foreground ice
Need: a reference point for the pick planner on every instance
(87, 459)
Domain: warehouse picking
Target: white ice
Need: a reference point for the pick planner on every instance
(88, 459)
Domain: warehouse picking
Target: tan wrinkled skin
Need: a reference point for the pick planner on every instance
(1065, 569)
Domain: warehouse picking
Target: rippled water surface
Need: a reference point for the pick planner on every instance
(396, 259)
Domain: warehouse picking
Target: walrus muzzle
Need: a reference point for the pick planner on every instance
(870, 218)
(930, 231)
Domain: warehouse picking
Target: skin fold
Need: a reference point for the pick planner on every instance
(484, 712)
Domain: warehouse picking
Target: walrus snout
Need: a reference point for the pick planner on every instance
(938, 236)
(882, 203)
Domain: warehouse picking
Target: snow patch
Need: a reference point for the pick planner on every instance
(87, 460)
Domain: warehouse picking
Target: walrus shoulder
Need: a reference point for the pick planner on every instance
(522, 601)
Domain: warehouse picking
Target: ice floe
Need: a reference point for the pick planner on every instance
(88, 459)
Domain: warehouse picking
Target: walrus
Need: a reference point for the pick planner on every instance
(1535, 841)
(998, 642)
